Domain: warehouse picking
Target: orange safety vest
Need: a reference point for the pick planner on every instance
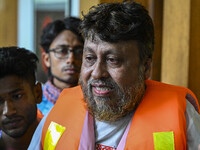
(39, 114)
(161, 110)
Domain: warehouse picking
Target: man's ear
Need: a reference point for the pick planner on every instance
(147, 68)
(46, 59)
(38, 93)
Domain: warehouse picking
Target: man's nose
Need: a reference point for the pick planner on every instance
(9, 108)
(70, 58)
(100, 71)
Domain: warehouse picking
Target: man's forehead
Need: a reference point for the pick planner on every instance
(66, 37)
(129, 46)
(10, 84)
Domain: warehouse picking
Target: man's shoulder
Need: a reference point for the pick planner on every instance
(47, 83)
(73, 90)
(175, 90)
(166, 86)
(70, 95)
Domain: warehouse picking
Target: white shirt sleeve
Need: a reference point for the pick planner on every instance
(36, 139)
(193, 127)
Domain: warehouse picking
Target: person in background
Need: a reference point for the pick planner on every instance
(63, 47)
(117, 106)
(19, 96)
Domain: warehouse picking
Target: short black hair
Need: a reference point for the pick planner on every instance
(114, 22)
(51, 31)
(18, 61)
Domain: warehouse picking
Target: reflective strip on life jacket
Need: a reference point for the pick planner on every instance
(164, 140)
(53, 135)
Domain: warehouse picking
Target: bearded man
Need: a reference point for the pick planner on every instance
(116, 106)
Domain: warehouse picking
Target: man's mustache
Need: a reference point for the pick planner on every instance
(103, 81)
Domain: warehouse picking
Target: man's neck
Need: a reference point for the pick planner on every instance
(20, 143)
(62, 85)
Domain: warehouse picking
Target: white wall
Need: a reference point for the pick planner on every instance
(26, 24)
(26, 19)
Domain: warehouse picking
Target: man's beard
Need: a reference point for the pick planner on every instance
(112, 108)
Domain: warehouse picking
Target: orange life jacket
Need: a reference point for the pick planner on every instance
(161, 110)
(39, 114)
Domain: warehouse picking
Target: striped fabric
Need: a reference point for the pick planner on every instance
(51, 92)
